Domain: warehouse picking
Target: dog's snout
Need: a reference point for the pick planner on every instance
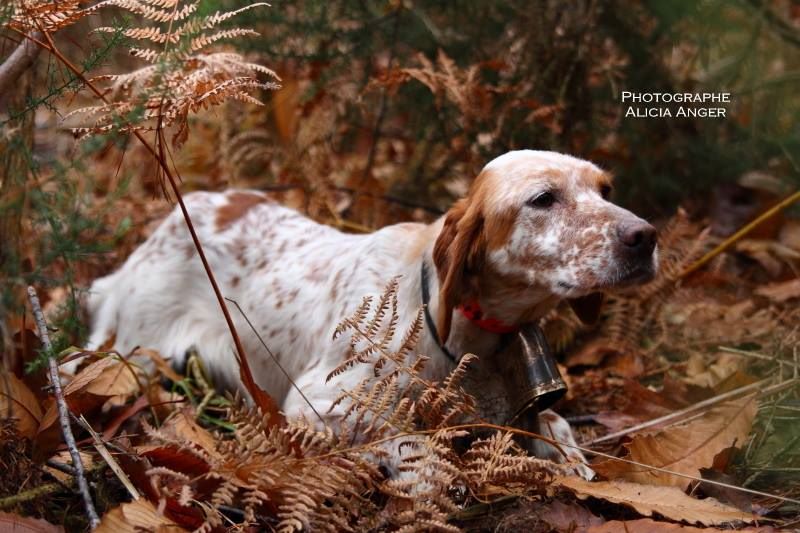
(640, 237)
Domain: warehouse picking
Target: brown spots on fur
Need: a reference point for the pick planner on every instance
(239, 203)
(235, 281)
(278, 304)
(317, 273)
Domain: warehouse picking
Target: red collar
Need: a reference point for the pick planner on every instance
(472, 310)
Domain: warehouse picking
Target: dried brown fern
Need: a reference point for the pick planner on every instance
(30, 16)
(326, 480)
(181, 77)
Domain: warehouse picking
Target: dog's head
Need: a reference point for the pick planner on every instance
(538, 226)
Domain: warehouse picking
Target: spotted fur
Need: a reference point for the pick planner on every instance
(295, 279)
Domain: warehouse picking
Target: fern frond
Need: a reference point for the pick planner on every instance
(179, 80)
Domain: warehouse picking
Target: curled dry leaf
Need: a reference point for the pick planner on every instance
(18, 402)
(139, 515)
(108, 377)
(686, 448)
(670, 502)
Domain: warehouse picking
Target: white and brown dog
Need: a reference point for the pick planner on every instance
(535, 228)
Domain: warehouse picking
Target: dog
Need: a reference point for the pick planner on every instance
(536, 227)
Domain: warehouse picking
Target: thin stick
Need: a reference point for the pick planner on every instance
(100, 446)
(730, 241)
(757, 355)
(63, 410)
(538, 436)
(677, 415)
(31, 494)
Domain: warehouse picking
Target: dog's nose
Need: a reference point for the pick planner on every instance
(640, 237)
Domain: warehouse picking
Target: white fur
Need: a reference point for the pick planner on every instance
(296, 279)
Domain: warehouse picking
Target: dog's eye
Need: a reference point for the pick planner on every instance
(605, 191)
(544, 200)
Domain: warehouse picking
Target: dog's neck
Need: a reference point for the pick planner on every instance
(509, 304)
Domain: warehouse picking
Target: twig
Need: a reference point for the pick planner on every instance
(757, 355)
(61, 467)
(17, 63)
(538, 436)
(730, 241)
(100, 446)
(677, 415)
(63, 410)
(28, 495)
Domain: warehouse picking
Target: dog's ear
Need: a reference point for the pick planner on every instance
(458, 251)
(587, 308)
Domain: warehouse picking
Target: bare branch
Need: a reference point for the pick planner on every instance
(16, 64)
(63, 410)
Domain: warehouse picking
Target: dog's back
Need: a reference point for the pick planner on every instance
(294, 278)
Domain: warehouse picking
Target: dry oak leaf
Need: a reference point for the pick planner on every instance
(686, 448)
(569, 517)
(108, 376)
(25, 524)
(18, 402)
(134, 517)
(104, 380)
(670, 502)
(647, 525)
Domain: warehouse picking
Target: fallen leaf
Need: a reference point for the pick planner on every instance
(647, 525)
(670, 502)
(184, 426)
(105, 380)
(65, 458)
(685, 449)
(107, 377)
(740, 500)
(709, 374)
(790, 234)
(18, 402)
(136, 516)
(782, 291)
(23, 524)
(569, 517)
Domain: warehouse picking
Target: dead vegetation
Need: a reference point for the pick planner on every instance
(686, 392)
